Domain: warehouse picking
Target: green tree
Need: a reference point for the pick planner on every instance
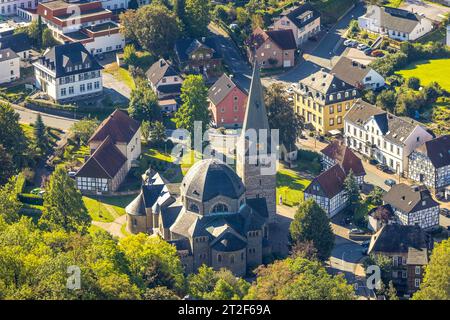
(436, 281)
(241, 17)
(47, 39)
(413, 83)
(282, 116)
(145, 130)
(12, 136)
(129, 55)
(311, 224)
(144, 103)
(83, 129)
(157, 133)
(375, 196)
(298, 279)
(41, 139)
(391, 292)
(9, 205)
(154, 27)
(160, 293)
(352, 191)
(194, 95)
(197, 17)
(6, 166)
(386, 100)
(63, 204)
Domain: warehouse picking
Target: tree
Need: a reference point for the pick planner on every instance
(12, 136)
(41, 139)
(282, 116)
(413, 83)
(9, 205)
(145, 130)
(431, 92)
(386, 100)
(436, 280)
(6, 166)
(129, 55)
(197, 17)
(160, 293)
(83, 129)
(352, 191)
(63, 204)
(375, 196)
(241, 16)
(391, 292)
(194, 95)
(298, 279)
(311, 224)
(157, 133)
(144, 103)
(154, 27)
(47, 39)
(216, 285)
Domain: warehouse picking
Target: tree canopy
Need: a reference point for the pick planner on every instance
(144, 103)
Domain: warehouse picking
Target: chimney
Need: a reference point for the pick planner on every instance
(203, 39)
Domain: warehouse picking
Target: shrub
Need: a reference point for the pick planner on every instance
(31, 199)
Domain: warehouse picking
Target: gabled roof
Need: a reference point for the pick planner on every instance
(16, 42)
(351, 71)
(69, 54)
(159, 70)
(326, 83)
(184, 47)
(394, 18)
(396, 238)
(298, 15)
(409, 198)
(283, 39)
(105, 162)
(437, 150)
(221, 88)
(7, 54)
(229, 242)
(344, 156)
(119, 126)
(330, 181)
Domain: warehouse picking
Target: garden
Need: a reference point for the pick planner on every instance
(290, 186)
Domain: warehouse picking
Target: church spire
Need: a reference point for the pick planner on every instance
(255, 113)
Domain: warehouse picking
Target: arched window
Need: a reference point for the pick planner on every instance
(194, 208)
(220, 207)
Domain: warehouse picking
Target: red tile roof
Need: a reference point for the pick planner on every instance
(344, 156)
(331, 181)
(119, 126)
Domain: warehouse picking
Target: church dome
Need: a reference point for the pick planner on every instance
(210, 178)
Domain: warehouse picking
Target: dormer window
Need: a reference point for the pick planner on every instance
(331, 97)
(354, 92)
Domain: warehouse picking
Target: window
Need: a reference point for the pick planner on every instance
(417, 283)
(82, 87)
(339, 120)
(331, 109)
(70, 90)
(63, 92)
(219, 258)
(89, 86)
(194, 208)
(232, 259)
(417, 270)
(220, 207)
(339, 108)
(96, 84)
(331, 122)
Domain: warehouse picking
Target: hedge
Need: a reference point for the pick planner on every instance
(31, 199)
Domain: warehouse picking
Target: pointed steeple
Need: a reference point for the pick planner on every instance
(255, 113)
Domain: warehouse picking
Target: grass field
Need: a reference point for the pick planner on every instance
(121, 74)
(290, 186)
(393, 3)
(106, 209)
(429, 70)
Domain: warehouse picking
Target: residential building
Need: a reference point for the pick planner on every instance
(304, 21)
(382, 136)
(115, 5)
(357, 74)
(68, 72)
(214, 220)
(10, 7)
(199, 56)
(9, 66)
(327, 190)
(395, 23)
(381, 216)
(413, 205)
(272, 48)
(323, 99)
(114, 148)
(408, 247)
(20, 43)
(338, 153)
(430, 164)
(164, 79)
(87, 23)
(227, 102)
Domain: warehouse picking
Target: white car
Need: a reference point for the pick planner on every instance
(348, 42)
(362, 46)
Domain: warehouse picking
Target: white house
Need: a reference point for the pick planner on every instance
(357, 74)
(10, 7)
(382, 136)
(20, 43)
(395, 23)
(68, 72)
(9, 66)
(304, 21)
(164, 79)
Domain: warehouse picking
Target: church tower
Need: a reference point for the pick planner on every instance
(255, 164)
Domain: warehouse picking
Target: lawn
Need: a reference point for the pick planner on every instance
(393, 3)
(106, 209)
(332, 10)
(121, 74)
(290, 186)
(429, 70)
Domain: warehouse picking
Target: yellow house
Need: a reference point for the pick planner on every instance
(323, 99)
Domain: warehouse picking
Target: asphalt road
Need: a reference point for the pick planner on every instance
(29, 116)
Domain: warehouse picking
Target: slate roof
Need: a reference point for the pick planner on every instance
(229, 242)
(184, 47)
(394, 18)
(330, 181)
(396, 238)
(437, 150)
(351, 71)
(294, 14)
(209, 178)
(7, 54)
(221, 88)
(119, 126)
(259, 205)
(105, 162)
(60, 56)
(159, 70)
(409, 198)
(394, 129)
(284, 39)
(16, 42)
(344, 156)
(170, 88)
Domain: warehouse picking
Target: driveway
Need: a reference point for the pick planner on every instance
(430, 10)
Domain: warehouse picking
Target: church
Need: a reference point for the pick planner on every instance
(219, 217)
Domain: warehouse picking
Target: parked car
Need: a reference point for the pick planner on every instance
(373, 161)
(361, 46)
(367, 51)
(356, 231)
(384, 168)
(349, 42)
(390, 182)
(377, 53)
(445, 212)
